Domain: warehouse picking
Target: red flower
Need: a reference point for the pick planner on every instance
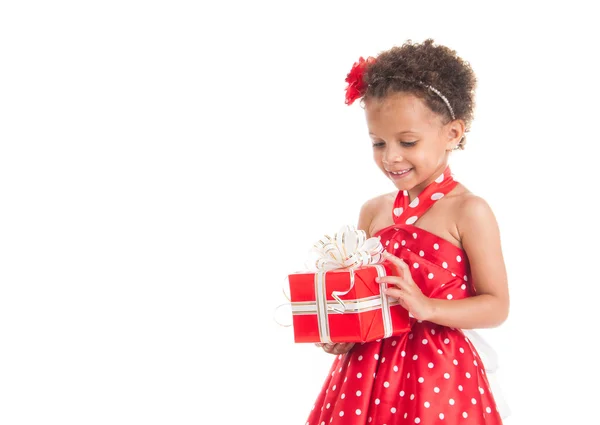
(356, 85)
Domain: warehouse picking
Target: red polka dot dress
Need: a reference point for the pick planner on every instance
(431, 375)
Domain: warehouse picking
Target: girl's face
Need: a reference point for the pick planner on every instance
(411, 143)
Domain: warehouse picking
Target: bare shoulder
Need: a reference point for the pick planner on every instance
(373, 211)
(472, 213)
(374, 204)
(472, 206)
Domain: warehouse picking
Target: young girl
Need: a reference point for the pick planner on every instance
(442, 241)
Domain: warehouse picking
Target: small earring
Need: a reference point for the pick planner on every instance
(460, 144)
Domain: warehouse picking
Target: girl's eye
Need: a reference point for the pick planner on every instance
(405, 144)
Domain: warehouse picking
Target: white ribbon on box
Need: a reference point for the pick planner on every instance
(348, 249)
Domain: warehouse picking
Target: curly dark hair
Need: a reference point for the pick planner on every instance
(414, 66)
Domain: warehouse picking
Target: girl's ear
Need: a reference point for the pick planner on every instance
(454, 133)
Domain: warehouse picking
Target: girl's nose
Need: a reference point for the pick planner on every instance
(392, 155)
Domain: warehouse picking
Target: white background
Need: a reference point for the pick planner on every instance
(164, 165)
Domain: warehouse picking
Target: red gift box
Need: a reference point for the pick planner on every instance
(344, 305)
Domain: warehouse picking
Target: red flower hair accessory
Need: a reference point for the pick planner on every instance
(356, 85)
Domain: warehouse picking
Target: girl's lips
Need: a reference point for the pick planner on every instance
(399, 174)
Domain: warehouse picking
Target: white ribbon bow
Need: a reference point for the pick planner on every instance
(348, 248)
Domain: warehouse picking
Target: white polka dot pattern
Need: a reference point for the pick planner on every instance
(412, 219)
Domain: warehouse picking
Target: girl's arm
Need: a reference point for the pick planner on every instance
(480, 238)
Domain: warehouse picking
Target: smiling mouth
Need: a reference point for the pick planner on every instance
(399, 173)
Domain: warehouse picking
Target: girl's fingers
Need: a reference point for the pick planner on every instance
(394, 292)
(393, 280)
(335, 348)
(338, 349)
(399, 295)
(400, 265)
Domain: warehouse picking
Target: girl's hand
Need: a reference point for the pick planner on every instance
(336, 348)
(406, 290)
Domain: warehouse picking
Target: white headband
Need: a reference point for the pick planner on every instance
(436, 91)
(427, 86)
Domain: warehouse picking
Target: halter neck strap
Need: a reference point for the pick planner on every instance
(408, 213)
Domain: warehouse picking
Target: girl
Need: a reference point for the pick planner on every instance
(443, 242)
